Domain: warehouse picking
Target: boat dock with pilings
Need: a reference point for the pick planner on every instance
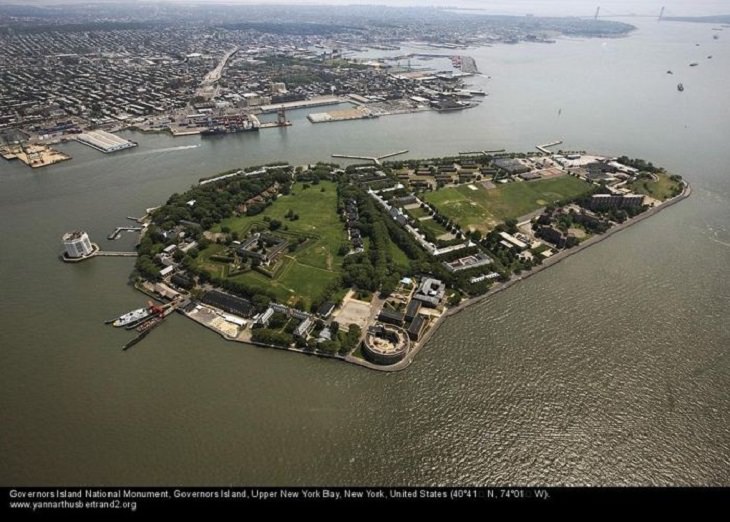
(375, 159)
(118, 231)
(544, 148)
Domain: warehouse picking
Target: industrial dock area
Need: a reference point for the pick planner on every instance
(35, 156)
(103, 141)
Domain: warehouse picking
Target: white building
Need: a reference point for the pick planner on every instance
(77, 244)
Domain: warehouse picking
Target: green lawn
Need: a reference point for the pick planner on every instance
(483, 209)
(416, 212)
(397, 255)
(432, 226)
(661, 189)
(307, 271)
(204, 261)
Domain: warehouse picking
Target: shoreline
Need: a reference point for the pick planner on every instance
(410, 356)
(449, 312)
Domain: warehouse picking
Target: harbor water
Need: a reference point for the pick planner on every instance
(610, 368)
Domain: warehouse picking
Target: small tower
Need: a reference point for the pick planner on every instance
(77, 244)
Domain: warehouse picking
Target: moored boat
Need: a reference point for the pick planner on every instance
(133, 317)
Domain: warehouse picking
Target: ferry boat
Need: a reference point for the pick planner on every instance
(133, 317)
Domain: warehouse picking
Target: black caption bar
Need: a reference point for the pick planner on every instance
(139, 500)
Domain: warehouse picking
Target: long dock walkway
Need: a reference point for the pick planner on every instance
(375, 159)
(108, 253)
(544, 148)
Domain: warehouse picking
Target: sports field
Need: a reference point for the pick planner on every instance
(483, 209)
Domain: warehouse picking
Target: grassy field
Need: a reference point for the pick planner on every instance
(483, 209)
(661, 189)
(432, 226)
(308, 270)
(416, 212)
(397, 255)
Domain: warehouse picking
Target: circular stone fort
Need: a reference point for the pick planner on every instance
(385, 345)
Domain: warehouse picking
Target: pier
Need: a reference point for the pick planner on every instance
(96, 253)
(375, 159)
(118, 231)
(240, 172)
(303, 104)
(482, 152)
(107, 253)
(34, 156)
(544, 148)
(105, 142)
(151, 323)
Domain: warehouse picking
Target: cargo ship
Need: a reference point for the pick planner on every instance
(220, 130)
(231, 125)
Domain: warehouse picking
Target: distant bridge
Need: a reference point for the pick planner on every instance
(628, 15)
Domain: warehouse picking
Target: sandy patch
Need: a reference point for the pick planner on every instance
(577, 232)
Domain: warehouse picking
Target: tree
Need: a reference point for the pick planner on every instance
(268, 336)
(260, 302)
(329, 346)
(455, 298)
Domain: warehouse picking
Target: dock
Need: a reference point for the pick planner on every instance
(118, 231)
(544, 148)
(482, 152)
(107, 253)
(105, 142)
(375, 159)
(34, 156)
(240, 172)
(150, 324)
(274, 124)
(358, 113)
(314, 102)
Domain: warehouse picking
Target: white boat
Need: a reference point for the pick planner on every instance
(132, 317)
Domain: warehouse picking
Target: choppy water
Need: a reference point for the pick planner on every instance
(610, 368)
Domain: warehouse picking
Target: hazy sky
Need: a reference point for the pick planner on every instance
(521, 7)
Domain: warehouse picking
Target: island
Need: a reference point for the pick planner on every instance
(362, 263)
